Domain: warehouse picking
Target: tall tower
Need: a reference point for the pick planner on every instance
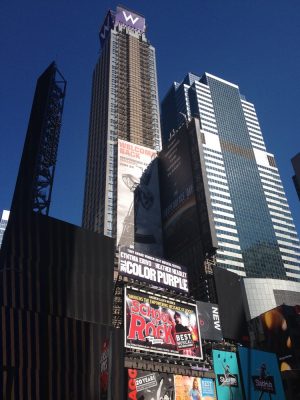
(36, 172)
(255, 231)
(124, 106)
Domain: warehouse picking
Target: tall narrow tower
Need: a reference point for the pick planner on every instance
(36, 172)
(124, 106)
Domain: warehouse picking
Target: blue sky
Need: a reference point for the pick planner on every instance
(253, 43)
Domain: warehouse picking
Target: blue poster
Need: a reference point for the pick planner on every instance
(261, 376)
(227, 375)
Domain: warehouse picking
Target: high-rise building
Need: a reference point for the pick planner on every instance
(124, 106)
(255, 231)
(3, 224)
(296, 177)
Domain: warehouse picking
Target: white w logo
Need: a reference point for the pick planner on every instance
(129, 17)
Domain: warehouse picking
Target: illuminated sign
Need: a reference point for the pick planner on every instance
(152, 269)
(161, 324)
(130, 19)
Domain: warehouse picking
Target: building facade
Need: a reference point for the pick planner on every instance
(124, 106)
(255, 230)
(3, 224)
(296, 177)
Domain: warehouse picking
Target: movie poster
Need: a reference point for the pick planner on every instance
(261, 376)
(228, 380)
(161, 324)
(146, 385)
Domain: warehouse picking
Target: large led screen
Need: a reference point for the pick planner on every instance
(161, 324)
(148, 385)
(228, 380)
(261, 376)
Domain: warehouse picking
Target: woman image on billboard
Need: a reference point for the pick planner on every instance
(195, 392)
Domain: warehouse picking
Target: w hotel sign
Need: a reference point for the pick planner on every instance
(130, 19)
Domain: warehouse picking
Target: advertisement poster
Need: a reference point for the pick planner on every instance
(135, 195)
(278, 331)
(261, 376)
(151, 269)
(105, 360)
(193, 388)
(161, 324)
(209, 320)
(228, 380)
(178, 200)
(145, 385)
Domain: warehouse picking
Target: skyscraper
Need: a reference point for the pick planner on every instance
(124, 106)
(255, 231)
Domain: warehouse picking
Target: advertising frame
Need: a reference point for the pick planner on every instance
(187, 344)
(160, 385)
(255, 367)
(228, 375)
(153, 270)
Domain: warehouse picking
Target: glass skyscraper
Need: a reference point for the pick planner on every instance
(255, 231)
(124, 106)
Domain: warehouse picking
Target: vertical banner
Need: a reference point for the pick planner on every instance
(133, 160)
(105, 370)
(228, 380)
(261, 376)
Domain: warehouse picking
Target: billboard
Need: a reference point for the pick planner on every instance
(260, 373)
(105, 370)
(278, 331)
(133, 162)
(148, 385)
(232, 313)
(130, 19)
(152, 269)
(209, 320)
(228, 380)
(161, 324)
(178, 200)
(147, 212)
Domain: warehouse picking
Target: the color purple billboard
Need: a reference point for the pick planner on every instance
(161, 324)
(261, 376)
(156, 271)
(149, 385)
(130, 19)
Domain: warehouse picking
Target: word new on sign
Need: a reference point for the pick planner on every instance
(151, 269)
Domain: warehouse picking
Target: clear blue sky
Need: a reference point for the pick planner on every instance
(253, 43)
